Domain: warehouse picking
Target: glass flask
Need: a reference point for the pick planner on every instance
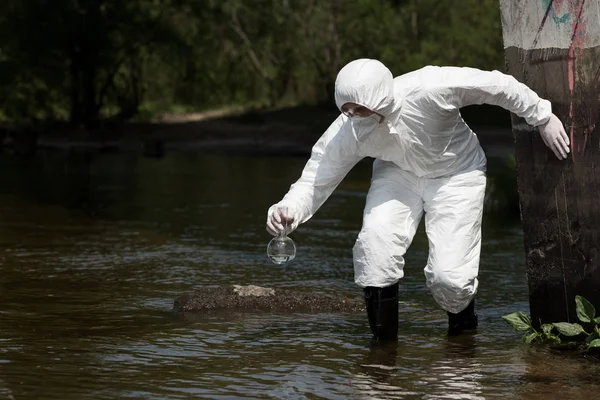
(281, 248)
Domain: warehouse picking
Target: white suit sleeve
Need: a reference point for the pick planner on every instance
(332, 157)
(460, 87)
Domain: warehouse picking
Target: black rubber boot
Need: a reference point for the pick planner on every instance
(382, 310)
(466, 320)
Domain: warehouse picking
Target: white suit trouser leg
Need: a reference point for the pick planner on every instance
(394, 208)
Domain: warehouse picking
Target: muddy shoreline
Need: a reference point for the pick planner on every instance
(285, 132)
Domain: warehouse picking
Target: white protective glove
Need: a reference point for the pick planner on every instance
(554, 136)
(280, 218)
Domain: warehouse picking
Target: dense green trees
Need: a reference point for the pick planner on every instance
(87, 60)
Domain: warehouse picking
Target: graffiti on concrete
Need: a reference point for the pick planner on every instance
(550, 23)
(575, 9)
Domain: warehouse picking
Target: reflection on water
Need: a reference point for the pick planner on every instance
(96, 247)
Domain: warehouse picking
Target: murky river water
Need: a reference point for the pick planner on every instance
(94, 248)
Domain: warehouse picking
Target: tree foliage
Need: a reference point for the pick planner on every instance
(89, 60)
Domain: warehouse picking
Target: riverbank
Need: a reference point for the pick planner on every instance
(283, 132)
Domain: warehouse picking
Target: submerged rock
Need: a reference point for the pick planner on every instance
(262, 298)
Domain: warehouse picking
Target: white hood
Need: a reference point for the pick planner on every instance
(368, 83)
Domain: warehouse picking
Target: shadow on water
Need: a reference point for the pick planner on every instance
(95, 247)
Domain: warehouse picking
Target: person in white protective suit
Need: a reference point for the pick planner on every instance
(427, 161)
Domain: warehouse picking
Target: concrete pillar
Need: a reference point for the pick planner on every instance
(553, 46)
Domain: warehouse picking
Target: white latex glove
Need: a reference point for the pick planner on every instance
(279, 218)
(554, 136)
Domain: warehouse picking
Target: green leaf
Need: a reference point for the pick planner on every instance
(530, 337)
(519, 321)
(547, 328)
(597, 320)
(594, 343)
(593, 337)
(585, 310)
(553, 339)
(568, 329)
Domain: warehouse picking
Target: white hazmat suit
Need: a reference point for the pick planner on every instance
(427, 161)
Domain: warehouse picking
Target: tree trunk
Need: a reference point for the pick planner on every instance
(88, 40)
(554, 47)
(75, 116)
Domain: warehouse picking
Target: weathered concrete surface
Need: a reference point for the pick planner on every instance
(261, 298)
(554, 48)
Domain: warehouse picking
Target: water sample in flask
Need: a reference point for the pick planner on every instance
(281, 248)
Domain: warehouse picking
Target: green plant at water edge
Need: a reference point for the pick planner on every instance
(555, 332)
